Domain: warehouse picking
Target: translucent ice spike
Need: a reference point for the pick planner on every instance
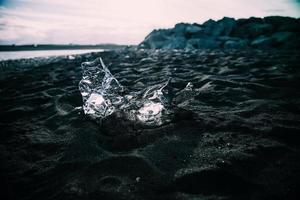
(154, 104)
(99, 89)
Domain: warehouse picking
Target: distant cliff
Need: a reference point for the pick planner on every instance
(266, 33)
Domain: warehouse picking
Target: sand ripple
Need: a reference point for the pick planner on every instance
(233, 131)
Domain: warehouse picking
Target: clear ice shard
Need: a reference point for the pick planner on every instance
(103, 95)
(99, 89)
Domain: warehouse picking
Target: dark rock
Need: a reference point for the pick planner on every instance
(268, 32)
(180, 28)
(209, 23)
(235, 44)
(227, 38)
(262, 42)
(206, 43)
(176, 43)
(287, 39)
(283, 23)
(253, 30)
(187, 30)
(257, 20)
(155, 39)
(209, 27)
(227, 24)
(193, 29)
(222, 27)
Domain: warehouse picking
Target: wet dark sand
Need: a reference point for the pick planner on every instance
(237, 138)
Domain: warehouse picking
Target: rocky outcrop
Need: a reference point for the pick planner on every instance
(264, 33)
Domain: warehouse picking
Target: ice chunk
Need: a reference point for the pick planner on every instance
(99, 89)
(102, 95)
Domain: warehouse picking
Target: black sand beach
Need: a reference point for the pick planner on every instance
(236, 136)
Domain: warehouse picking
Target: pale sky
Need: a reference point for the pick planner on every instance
(119, 21)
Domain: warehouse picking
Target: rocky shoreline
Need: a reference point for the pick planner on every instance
(228, 33)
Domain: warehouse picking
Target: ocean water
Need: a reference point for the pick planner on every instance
(11, 55)
(164, 125)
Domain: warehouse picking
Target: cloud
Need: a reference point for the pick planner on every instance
(274, 10)
(117, 21)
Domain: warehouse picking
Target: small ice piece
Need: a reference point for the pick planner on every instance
(186, 94)
(95, 106)
(78, 108)
(150, 112)
(70, 57)
(189, 86)
(153, 104)
(137, 179)
(157, 92)
(99, 90)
